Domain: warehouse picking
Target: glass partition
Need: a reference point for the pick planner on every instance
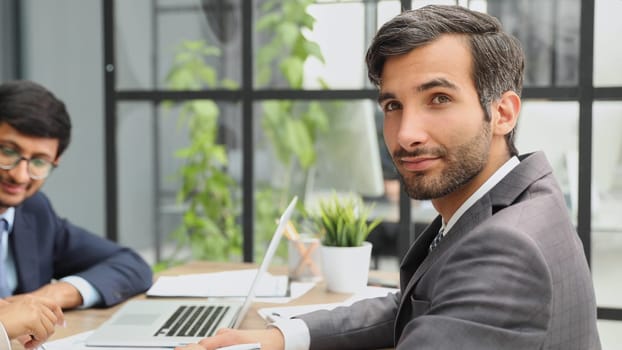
(607, 201)
(162, 150)
(317, 149)
(171, 32)
(553, 127)
(607, 51)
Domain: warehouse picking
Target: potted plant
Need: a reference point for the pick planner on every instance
(344, 225)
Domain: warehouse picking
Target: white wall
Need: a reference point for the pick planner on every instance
(63, 51)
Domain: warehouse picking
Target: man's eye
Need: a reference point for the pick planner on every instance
(440, 99)
(40, 163)
(8, 151)
(391, 106)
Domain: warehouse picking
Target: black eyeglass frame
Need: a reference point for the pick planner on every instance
(28, 160)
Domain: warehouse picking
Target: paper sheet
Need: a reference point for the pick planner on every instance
(234, 283)
(229, 284)
(270, 314)
(296, 289)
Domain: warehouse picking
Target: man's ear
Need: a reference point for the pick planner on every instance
(505, 113)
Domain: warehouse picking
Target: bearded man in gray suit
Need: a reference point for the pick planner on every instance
(501, 267)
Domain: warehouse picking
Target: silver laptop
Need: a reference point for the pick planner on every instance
(171, 323)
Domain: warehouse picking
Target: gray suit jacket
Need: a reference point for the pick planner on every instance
(510, 274)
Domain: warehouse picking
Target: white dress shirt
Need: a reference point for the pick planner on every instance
(5, 343)
(295, 331)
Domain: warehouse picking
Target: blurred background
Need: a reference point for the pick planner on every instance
(195, 121)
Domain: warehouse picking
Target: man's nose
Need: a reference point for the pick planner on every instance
(412, 129)
(20, 171)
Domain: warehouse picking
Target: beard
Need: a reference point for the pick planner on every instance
(462, 164)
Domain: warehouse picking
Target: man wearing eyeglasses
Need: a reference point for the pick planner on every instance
(42, 254)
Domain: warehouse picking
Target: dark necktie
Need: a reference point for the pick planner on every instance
(437, 239)
(4, 248)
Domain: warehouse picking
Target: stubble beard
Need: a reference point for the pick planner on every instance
(461, 165)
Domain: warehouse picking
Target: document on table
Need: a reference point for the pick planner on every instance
(229, 284)
(271, 314)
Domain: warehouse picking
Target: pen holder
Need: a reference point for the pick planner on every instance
(304, 259)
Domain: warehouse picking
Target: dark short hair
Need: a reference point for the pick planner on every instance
(33, 110)
(498, 58)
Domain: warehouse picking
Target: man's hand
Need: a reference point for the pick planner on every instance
(31, 318)
(270, 339)
(62, 293)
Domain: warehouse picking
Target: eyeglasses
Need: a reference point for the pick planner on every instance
(38, 168)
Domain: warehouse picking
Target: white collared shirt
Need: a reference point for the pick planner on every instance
(492, 181)
(5, 343)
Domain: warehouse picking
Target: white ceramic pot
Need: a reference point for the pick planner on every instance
(346, 269)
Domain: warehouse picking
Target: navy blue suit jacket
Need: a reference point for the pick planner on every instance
(47, 247)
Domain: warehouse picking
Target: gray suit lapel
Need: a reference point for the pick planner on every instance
(417, 253)
(477, 213)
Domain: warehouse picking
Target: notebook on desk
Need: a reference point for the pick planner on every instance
(171, 323)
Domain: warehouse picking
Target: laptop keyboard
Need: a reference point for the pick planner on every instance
(193, 321)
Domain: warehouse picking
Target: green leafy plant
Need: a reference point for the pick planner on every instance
(343, 221)
(208, 226)
(290, 127)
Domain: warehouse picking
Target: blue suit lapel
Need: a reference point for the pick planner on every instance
(25, 248)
